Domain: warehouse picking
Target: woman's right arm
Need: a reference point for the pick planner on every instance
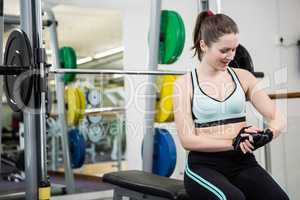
(184, 122)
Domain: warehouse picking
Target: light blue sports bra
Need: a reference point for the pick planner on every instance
(208, 111)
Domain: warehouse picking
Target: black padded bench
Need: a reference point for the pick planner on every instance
(143, 185)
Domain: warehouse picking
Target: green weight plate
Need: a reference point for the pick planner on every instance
(18, 52)
(68, 60)
(178, 35)
(172, 37)
(181, 41)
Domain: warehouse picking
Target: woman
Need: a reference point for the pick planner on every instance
(209, 109)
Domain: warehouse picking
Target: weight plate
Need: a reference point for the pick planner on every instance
(164, 106)
(67, 57)
(181, 41)
(242, 59)
(18, 52)
(164, 154)
(94, 119)
(73, 106)
(94, 97)
(172, 33)
(77, 148)
(81, 98)
(96, 132)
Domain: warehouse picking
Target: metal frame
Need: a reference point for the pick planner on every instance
(1, 77)
(15, 20)
(109, 71)
(69, 177)
(35, 123)
(31, 183)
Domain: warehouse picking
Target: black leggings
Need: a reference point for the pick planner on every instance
(229, 176)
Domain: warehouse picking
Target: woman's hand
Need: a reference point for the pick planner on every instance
(244, 139)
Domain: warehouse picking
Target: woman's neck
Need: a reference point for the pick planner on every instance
(206, 70)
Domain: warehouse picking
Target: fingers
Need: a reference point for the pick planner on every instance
(242, 148)
(252, 129)
(251, 139)
(245, 148)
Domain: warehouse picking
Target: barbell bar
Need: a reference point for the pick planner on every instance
(16, 70)
(109, 71)
(104, 110)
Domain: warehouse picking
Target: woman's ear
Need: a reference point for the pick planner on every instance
(203, 46)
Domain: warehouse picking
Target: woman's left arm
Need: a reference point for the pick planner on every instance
(263, 104)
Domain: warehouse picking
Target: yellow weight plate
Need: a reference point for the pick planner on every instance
(164, 107)
(73, 105)
(81, 98)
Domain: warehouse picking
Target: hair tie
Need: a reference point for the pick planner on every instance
(210, 13)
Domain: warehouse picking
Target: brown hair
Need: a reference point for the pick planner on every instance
(210, 28)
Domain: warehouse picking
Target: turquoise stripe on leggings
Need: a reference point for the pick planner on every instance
(216, 191)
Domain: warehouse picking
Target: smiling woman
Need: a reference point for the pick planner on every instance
(210, 118)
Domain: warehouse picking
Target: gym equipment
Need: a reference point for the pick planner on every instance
(242, 59)
(164, 153)
(164, 106)
(114, 130)
(49, 101)
(67, 57)
(94, 97)
(53, 127)
(77, 148)
(18, 53)
(94, 119)
(15, 166)
(112, 71)
(172, 37)
(81, 98)
(96, 132)
(144, 185)
(75, 100)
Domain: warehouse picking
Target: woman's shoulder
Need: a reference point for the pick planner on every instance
(242, 73)
(185, 78)
(184, 81)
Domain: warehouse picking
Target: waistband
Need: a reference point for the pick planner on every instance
(220, 122)
(195, 157)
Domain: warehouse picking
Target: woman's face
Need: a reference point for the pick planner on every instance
(220, 53)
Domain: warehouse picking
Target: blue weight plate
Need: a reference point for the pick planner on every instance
(164, 155)
(77, 148)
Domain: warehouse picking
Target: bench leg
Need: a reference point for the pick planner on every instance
(117, 194)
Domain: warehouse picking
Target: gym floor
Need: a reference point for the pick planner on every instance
(87, 187)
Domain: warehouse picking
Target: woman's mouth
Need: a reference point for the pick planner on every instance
(225, 63)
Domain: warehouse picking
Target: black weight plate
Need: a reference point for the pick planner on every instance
(18, 53)
(242, 59)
